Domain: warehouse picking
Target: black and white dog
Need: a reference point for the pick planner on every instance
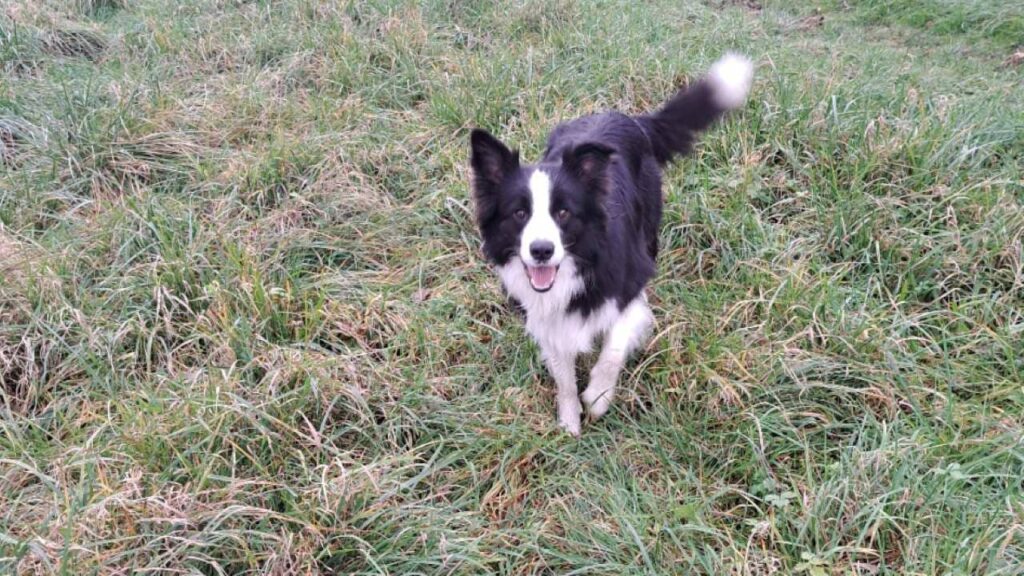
(574, 237)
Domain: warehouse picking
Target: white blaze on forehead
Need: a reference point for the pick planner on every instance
(541, 226)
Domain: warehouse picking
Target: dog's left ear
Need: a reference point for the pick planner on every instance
(588, 162)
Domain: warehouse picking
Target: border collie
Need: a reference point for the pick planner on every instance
(574, 237)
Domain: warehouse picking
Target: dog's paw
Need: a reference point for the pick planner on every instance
(597, 399)
(599, 393)
(569, 414)
(571, 425)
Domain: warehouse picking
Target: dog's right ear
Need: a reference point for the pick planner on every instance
(492, 161)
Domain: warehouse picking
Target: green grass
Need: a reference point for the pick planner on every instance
(998, 24)
(245, 326)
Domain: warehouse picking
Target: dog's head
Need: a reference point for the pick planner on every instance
(539, 214)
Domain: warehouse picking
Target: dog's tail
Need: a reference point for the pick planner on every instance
(673, 129)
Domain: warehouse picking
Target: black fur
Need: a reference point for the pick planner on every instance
(606, 171)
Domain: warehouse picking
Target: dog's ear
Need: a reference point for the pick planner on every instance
(492, 161)
(588, 162)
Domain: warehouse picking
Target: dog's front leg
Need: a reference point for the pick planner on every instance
(626, 335)
(562, 366)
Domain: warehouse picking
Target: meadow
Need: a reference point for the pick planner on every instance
(246, 327)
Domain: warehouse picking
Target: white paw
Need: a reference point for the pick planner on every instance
(570, 425)
(569, 415)
(598, 399)
(599, 393)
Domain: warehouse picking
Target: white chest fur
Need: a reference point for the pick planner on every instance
(554, 329)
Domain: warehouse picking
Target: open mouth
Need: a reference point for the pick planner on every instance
(542, 278)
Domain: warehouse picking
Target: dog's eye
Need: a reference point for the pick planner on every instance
(562, 215)
(520, 214)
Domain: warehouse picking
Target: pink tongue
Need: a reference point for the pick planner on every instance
(541, 277)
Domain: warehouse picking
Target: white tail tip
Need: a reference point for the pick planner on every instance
(730, 79)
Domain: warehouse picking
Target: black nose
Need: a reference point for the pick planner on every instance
(541, 250)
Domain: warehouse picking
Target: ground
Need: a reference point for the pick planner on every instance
(245, 326)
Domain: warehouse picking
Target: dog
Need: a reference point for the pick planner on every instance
(574, 237)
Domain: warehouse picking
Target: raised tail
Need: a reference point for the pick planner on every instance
(673, 129)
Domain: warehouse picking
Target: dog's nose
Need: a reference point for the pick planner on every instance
(541, 250)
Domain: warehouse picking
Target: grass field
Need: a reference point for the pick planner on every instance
(245, 326)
